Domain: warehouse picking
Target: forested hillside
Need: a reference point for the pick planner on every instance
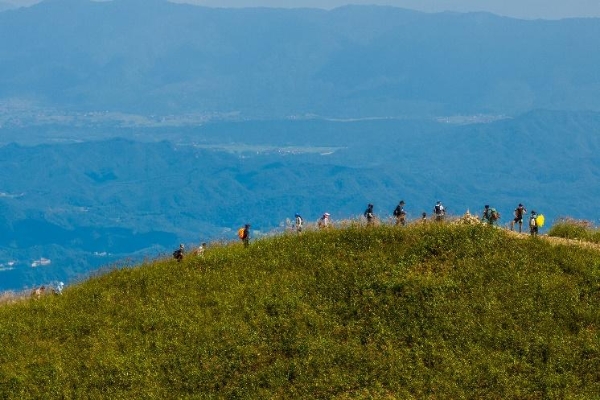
(96, 202)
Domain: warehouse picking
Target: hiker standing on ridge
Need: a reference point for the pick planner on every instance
(298, 222)
(245, 236)
(200, 250)
(490, 215)
(324, 221)
(58, 288)
(519, 214)
(439, 211)
(400, 214)
(178, 254)
(369, 215)
(533, 225)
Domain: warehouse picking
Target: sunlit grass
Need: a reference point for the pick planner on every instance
(427, 311)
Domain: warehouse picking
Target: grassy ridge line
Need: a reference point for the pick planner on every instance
(429, 311)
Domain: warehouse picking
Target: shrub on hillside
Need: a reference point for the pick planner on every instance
(570, 228)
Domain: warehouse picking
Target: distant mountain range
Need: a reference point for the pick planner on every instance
(82, 205)
(160, 57)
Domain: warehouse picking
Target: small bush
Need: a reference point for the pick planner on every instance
(570, 228)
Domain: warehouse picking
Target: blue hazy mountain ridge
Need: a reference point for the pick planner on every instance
(88, 204)
(160, 57)
(5, 6)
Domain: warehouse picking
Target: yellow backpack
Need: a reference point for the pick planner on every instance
(539, 220)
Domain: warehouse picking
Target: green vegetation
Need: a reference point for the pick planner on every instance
(570, 228)
(429, 311)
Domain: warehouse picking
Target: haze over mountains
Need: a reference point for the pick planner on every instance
(129, 126)
(160, 57)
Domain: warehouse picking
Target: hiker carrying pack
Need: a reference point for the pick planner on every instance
(324, 221)
(400, 214)
(178, 254)
(369, 215)
(298, 221)
(533, 225)
(244, 234)
(490, 215)
(439, 211)
(519, 213)
(495, 216)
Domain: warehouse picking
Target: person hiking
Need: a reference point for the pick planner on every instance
(58, 288)
(519, 213)
(179, 253)
(490, 215)
(245, 235)
(424, 217)
(533, 226)
(298, 222)
(400, 214)
(200, 250)
(439, 211)
(369, 215)
(324, 221)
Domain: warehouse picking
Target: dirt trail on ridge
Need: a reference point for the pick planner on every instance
(470, 219)
(558, 240)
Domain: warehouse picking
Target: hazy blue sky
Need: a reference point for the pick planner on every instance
(551, 9)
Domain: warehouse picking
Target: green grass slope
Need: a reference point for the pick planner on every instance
(429, 311)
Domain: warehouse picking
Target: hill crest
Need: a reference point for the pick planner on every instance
(455, 311)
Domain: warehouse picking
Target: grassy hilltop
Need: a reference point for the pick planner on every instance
(429, 311)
